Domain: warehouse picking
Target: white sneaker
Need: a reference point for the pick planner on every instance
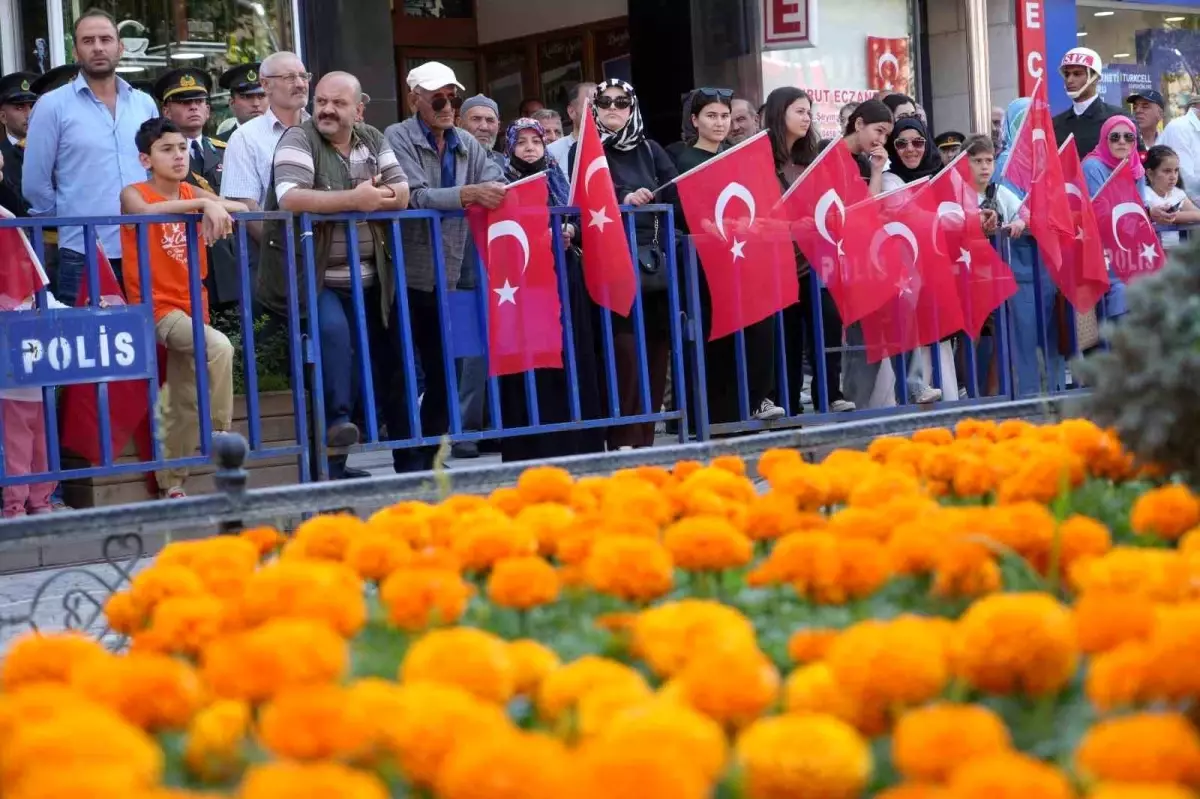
(806, 397)
(927, 394)
(962, 393)
(768, 410)
(842, 406)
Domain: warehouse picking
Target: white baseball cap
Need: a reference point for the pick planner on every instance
(431, 76)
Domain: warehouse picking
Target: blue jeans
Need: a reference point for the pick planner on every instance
(339, 355)
(1024, 338)
(72, 271)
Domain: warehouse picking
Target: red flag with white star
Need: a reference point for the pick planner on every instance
(514, 243)
(984, 281)
(1083, 279)
(1129, 238)
(747, 254)
(607, 265)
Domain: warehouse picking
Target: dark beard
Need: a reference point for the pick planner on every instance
(108, 73)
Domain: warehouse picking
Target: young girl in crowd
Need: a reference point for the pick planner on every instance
(868, 385)
(1164, 192)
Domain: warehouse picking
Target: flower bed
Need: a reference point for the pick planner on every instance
(995, 611)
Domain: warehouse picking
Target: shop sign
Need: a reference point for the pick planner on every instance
(827, 103)
(789, 23)
(1031, 43)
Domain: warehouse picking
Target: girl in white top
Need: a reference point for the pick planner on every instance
(1164, 189)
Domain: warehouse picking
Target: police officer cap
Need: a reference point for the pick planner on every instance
(17, 88)
(59, 76)
(242, 79)
(186, 83)
(950, 138)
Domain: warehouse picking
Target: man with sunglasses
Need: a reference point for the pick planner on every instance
(447, 170)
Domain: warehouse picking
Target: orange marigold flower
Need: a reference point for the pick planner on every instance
(1104, 621)
(281, 654)
(1027, 528)
(304, 589)
(549, 521)
(964, 568)
(545, 484)
(881, 448)
(321, 722)
(774, 459)
(513, 766)
(562, 688)
(730, 463)
(1042, 475)
(532, 661)
(976, 428)
(973, 477)
(37, 657)
(123, 614)
(310, 781)
(1167, 512)
(155, 692)
(507, 500)
(810, 645)
(707, 543)
(771, 515)
(1118, 678)
(1133, 790)
(483, 537)
(685, 469)
(523, 583)
(325, 537)
(446, 516)
(928, 743)
(472, 659)
(666, 637)
(724, 484)
(633, 569)
(596, 709)
(435, 558)
(160, 581)
(674, 729)
(813, 689)
(1081, 537)
(419, 598)
(605, 770)
(185, 625)
(266, 540)
(872, 524)
(732, 686)
(1014, 643)
(882, 488)
(914, 790)
(223, 563)
(938, 436)
(803, 757)
(213, 751)
(807, 484)
(1008, 776)
(406, 521)
(374, 555)
(1014, 428)
(1189, 544)
(632, 497)
(1145, 747)
(1161, 575)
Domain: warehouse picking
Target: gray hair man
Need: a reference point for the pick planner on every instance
(561, 149)
(447, 170)
(551, 122)
(480, 116)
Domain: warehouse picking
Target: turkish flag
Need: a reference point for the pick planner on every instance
(984, 281)
(1129, 238)
(888, 64)
(815, 207)
(924, 306)
(514, 242)
(869, 280)
(128, 400)
(746, 253)
(21, 273)
(1033, 168)
(607, 266)
(1083, 279)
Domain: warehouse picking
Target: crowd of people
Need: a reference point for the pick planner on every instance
(81, 141)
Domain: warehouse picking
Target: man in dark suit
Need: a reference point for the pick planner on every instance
(1080, 70)
(16, 103)
(247, 97)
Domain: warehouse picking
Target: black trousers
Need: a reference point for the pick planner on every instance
(800, 324)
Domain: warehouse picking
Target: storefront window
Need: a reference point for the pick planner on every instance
(1143, 50)
(863, 48)
(35, 36)
(210, 34)
(438, 9)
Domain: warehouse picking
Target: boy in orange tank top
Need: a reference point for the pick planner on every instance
(164, 154)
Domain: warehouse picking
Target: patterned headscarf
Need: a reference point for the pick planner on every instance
(632, 134)
(516, 169)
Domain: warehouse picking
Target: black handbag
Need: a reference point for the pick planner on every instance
(652, 263)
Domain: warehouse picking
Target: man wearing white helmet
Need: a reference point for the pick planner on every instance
(1080, 70)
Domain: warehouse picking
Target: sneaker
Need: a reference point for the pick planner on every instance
(806, 397)
(842, 406)
(767, 411)
(962, 393)
(927, 394)
(175, 493)
(465, 449)
(342, 434)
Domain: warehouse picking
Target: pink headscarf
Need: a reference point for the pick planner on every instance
(1104, 154)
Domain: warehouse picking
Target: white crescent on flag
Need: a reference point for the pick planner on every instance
(894, 229)
(950, 209)
(1122, 210)
(888, 57)
(829, 199)
(594, 167)
(727, 194)
(507, 227)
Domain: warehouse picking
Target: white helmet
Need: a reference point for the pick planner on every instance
(1082, 57)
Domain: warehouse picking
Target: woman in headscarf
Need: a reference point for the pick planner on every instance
(638, 167)
(1023, 339)
(527, 157)
(912, 157)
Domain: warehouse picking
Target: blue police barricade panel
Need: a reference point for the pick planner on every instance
(466, 336)
(76, 345)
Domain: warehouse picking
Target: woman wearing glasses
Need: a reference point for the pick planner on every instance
(638, 167)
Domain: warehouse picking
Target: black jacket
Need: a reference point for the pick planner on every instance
(1086, 126)
(10, 188)
(646, 166)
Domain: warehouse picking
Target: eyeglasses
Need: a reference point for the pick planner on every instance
(622, 102)
(907, 115)
(292, 77)
(722, 95)
(1122, 137)
(916, 144)
(439, 102)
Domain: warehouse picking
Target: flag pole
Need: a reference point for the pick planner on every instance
(712, 160)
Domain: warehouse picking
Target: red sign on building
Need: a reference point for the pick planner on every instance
(789, 23)
(1031, 44)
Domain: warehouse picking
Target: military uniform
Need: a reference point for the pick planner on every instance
(240, 80)
(15, 89)
(204, 172)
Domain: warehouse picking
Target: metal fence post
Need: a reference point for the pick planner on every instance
(229, 451)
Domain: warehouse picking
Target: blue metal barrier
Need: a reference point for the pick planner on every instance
(611, 384)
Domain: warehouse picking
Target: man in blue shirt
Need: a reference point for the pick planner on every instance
(81, 149)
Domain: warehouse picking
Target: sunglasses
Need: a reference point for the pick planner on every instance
(439, 102)
(1119, 137)
(721, 95)
(916, 144)
(604, 101)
